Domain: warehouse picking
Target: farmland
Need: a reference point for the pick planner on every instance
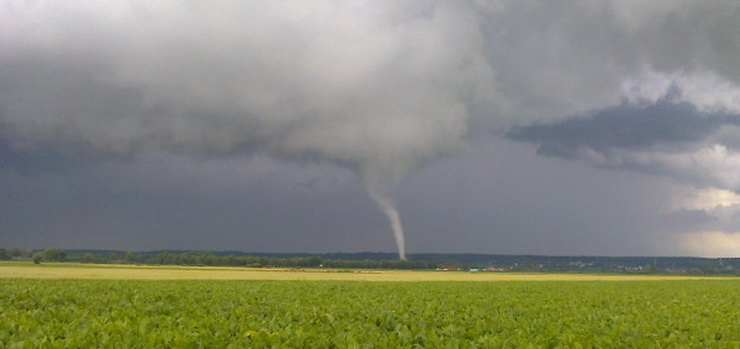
(138, 272)
(95, 312)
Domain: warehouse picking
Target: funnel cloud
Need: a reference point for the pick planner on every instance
(389, 209)
(250, 76)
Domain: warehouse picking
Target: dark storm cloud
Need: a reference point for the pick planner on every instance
(33, 161)
(667, 124)
(172, 202)
(662, 138)
(380, 89)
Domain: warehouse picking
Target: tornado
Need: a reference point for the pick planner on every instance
(388, 207)
(380, 88)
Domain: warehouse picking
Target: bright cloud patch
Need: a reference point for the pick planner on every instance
(711, 244)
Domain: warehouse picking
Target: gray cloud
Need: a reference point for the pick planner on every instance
(406, 79)
(40, 160)
(627, 127)
(666, 138)
(353, 92)
(381, 88)
(688, 220)
(262, 204)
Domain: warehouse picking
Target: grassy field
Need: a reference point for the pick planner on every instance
(87, 306)
(129, 272)
(342, 314)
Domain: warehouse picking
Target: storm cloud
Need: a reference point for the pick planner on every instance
(387, 90)
(666, 138)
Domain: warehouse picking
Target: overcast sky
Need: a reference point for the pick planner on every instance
(504, 127)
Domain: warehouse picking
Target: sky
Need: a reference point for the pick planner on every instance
(503, 127)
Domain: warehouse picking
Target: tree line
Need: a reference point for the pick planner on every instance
(49, 254)
(209, 259)
(370, 260)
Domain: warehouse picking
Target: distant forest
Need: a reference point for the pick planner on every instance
(377, 260)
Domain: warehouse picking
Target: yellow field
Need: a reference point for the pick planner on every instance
(121, 272)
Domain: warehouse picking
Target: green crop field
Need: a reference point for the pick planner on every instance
(68, 313)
